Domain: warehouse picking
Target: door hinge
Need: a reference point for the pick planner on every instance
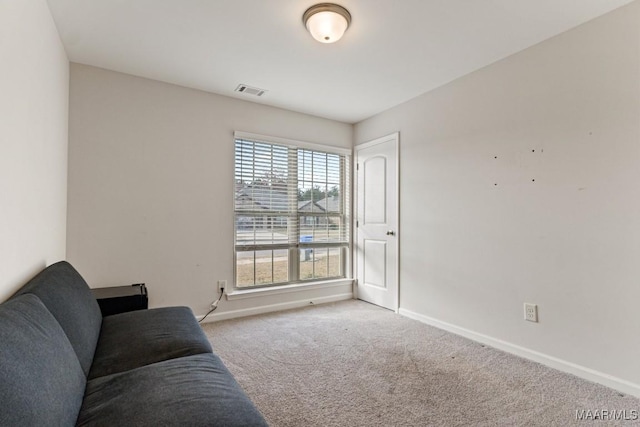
(357, 166)
(357, 224)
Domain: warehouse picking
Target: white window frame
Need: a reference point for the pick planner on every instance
(245, 292)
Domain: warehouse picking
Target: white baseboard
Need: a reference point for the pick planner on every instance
(232, 314)
(550, 361)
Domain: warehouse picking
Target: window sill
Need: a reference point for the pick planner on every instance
(286, 289)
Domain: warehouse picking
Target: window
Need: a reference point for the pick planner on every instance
(291, 212)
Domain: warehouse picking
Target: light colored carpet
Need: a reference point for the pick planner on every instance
(355, 364)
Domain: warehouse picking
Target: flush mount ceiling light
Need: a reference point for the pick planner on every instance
(326, 22)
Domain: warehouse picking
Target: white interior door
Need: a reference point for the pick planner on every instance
(377, 221)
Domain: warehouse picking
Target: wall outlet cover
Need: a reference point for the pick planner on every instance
(222, 284)
(530, 312)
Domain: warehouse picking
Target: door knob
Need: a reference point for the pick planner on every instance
(391, 233)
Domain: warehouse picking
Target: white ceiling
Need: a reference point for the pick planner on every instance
(393, 51)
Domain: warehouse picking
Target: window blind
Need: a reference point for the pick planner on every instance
(291, 213)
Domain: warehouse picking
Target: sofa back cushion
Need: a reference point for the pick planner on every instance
(41, 381)
(68, 297)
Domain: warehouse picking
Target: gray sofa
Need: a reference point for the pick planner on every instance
(63, 364)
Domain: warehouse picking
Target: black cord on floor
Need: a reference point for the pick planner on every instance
(213, 306)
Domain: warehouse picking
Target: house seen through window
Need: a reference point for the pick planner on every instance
(291, 213)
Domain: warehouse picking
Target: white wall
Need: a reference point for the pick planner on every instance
(473, 252)
(34, 94)
(151, 186)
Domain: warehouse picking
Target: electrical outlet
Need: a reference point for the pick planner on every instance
(530, 312)
(222, 284)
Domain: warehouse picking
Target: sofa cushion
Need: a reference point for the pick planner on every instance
(41, 380)
(138, 338)
(195, 391)
(68, 297)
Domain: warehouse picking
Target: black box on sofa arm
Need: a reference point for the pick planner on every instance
(63, 364)
(120, 299)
